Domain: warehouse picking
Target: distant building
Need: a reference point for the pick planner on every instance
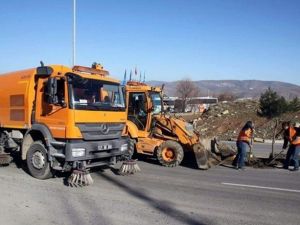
(194, 104)
(169, 103)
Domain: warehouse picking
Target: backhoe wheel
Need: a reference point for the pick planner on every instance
(170, 153)
(37, 161)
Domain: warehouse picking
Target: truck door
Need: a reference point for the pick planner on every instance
(53, 115)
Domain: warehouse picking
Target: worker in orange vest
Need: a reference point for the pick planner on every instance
(296, 154)
(244, 139)
(291, 136)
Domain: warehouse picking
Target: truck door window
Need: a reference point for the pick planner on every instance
(61, 91)
(59, 95)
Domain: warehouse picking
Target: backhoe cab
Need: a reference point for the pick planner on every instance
(156, 133)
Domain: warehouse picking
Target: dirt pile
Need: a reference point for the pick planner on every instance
(224, 120)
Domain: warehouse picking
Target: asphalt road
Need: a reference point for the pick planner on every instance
(157, 195)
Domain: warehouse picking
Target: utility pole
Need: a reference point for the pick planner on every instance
(74, 33)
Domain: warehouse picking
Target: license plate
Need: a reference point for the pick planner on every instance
(104, 147)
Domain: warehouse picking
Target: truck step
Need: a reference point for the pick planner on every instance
(58, 144)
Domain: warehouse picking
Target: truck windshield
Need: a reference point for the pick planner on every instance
(90, 94)
(156, 101)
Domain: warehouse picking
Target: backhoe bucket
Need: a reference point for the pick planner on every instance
(129, 167)
(202, 156)
(80, 178)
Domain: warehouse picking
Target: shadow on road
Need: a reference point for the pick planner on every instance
(162, 206)
(17, 160)
(81, 209)
(188, 161)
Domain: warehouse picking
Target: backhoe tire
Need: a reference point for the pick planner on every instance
(170, 153)
(37, 161)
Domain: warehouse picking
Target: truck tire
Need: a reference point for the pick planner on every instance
(170, 153)
(37, 161)
(131, 148)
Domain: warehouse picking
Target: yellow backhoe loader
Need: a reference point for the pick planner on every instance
(154, 132)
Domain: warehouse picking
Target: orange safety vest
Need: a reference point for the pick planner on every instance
(293, 138)
(245, 135)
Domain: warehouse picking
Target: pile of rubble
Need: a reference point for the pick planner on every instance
(224, 120)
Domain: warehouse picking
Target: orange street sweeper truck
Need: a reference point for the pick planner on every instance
(62, 119)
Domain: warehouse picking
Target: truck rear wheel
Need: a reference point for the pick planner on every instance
(170, 153)
(37, 161)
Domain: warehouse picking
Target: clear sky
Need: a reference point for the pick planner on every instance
(169, 39)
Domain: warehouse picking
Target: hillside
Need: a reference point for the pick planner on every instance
(225, 120)
(240, 88)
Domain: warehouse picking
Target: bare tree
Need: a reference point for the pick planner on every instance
(186, 89)
(227, 96)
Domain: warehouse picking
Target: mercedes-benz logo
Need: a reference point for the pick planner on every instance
(104, 129)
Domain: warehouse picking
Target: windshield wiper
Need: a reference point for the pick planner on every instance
(99, 105)
(87, 105)
(118, 108)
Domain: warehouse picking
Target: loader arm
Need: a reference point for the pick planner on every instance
(182, 131)
(177, 128)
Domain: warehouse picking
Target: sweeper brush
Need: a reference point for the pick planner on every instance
(80, 178)
(5, 159)
(129, 167)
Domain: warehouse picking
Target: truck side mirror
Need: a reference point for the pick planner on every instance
(51, 91)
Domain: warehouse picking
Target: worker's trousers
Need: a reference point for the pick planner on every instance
(295, 156)
(242, 148)
(290, 153)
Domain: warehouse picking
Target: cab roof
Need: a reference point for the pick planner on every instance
(85, 72)
(140, 86)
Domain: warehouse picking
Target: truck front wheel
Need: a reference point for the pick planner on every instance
(170, 153)
(131, 148)
(37, 161)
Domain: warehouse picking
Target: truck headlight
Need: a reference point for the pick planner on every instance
(78, 152)
(124, 147)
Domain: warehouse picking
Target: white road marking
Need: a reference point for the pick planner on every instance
(262, 187)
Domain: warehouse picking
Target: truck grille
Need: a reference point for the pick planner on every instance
(100, 131)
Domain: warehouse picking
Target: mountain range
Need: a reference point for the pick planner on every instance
(239, 88)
